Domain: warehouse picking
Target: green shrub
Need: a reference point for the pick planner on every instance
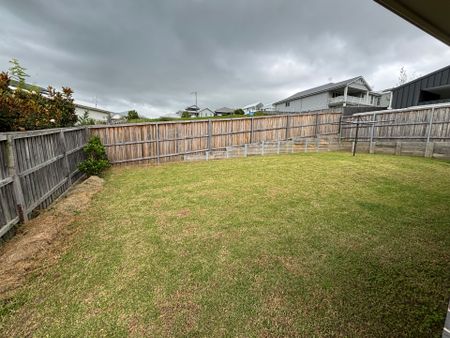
(26, 108)
(132, 115)
(238, 112)
(96, 159)
(85, 120)
(185, 115)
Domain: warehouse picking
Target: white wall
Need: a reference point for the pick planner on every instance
(206, 113)
(313, 102)
(93, 114)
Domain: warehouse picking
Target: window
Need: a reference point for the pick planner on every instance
(288, 104)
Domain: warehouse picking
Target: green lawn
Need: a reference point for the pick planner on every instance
(289, 245)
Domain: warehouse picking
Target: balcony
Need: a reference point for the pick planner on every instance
(351, 100)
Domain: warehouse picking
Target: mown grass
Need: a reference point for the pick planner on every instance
(294, 245)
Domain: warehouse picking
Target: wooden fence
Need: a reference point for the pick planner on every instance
(36, 168)
(170, 141)
(423, 131)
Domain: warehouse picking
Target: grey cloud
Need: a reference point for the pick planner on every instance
(149, 55)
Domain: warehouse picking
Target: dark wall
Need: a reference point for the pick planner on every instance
(415, 92)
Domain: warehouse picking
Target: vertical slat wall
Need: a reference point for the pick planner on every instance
(170, 141)
(417, 124)
(8, 212)
(36, 168)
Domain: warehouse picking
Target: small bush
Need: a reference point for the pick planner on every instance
(185, 115)
(96, 160)
(85, 120)
(132, 115)
(238, 112)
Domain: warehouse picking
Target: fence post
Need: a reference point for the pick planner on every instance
(288, 120)
(157, 144)
(339, 128)
(13, 168)
(355, 142)
(372, 131)
(429, 147)
(317, 124)
(209, 134)
(251, 129)
(66, 167)
(245, 150)
(398, 148)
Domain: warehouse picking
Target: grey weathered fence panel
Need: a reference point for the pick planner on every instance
(35, 169)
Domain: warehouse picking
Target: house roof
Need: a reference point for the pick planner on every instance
(323, 88)
(224, 110)
(103, 111)
(206, 109)
(194, 107)
(253, 105)
(422, 77)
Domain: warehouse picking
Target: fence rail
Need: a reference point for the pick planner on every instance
(425, 128)
(36, 168)
(169, 141)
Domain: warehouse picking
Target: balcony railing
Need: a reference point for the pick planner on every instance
(350, 100)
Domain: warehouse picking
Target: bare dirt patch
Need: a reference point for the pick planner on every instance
(38, 242)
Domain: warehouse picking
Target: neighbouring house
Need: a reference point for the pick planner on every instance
(99, 115)
(268, 108)
(192, 110)
(250, 109)
(224, 111)
(428, 89)
(205, 112)
(352, 92)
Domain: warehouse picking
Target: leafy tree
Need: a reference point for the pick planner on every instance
(96, 159)
(18, 72)
(402, 77)
(25, 108)
(85, 120)
(185, 115)
(239, 112)
(132, 115)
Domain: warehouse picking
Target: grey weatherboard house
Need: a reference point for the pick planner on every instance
(428, 89)
(352, 92)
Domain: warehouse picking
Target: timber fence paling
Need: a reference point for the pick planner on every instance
(36, 168)
(417, 130)
(168, 141)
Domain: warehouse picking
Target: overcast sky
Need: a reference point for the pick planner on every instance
(150, 55)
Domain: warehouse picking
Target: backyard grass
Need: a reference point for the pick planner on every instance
(289, 245)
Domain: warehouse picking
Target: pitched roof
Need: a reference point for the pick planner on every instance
(320, 89)
(253, 105)
(224, 110)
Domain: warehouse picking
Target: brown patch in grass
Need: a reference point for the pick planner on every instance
(178, 311)
(39, 242)
(183, 213)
